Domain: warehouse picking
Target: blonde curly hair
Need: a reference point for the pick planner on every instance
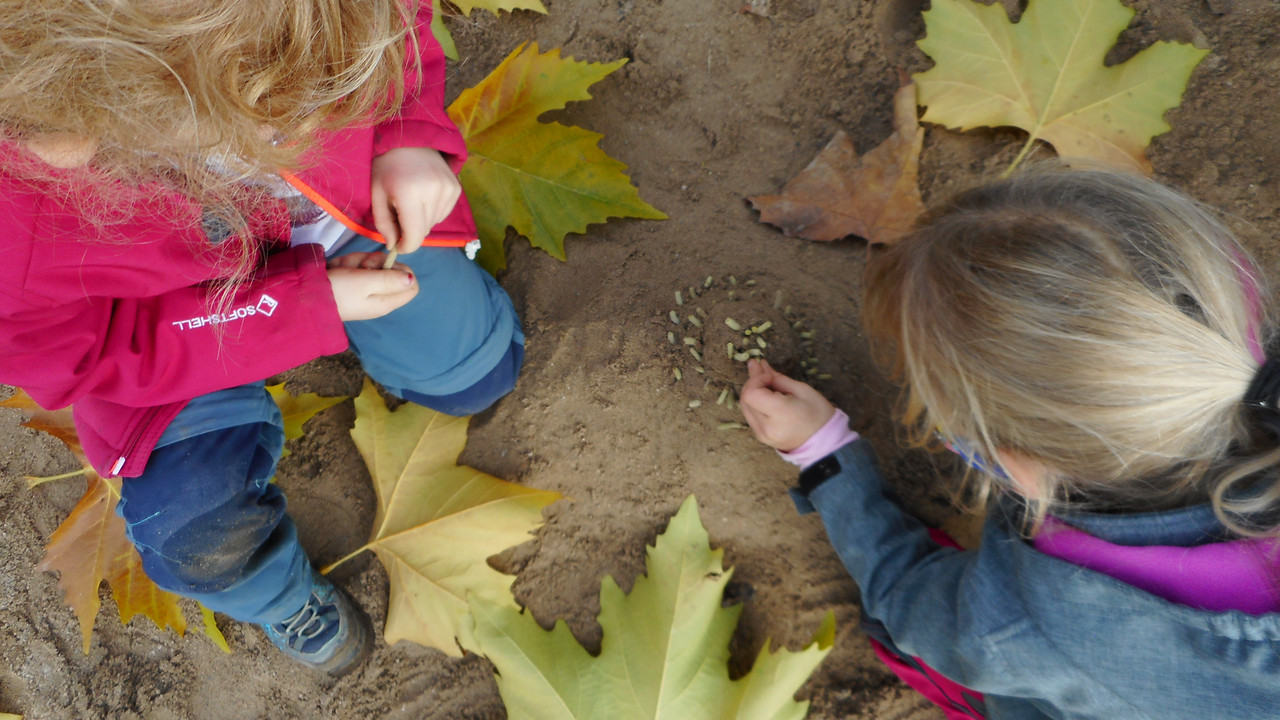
(163, 90)
(1101, 324)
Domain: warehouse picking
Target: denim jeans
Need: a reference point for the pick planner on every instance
(204, 516)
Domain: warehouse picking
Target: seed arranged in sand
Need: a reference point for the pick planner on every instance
(722, 323)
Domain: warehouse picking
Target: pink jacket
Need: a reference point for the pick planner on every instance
(116, 319)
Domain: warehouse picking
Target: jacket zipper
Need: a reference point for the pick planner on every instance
(132, 445)
(466, 241)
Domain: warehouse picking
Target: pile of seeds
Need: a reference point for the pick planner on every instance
(718, 324)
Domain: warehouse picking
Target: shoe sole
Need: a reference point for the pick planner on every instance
(357, 652)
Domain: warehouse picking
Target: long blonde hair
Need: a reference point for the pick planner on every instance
(1101, 324)
(167, 89)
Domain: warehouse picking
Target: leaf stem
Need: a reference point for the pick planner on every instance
(325, 570)
(1031, 141)
(37, 481)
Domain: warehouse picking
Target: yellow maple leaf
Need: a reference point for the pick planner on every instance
(437, 522)
(57, 423)
(876, 196)
(544, 179)
(1045, 74)
(211, 630)
(298, 409)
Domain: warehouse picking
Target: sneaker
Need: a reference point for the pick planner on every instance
(329, 633)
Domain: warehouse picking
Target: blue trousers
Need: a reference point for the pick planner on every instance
(204, 515)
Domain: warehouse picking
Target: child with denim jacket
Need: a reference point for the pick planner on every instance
(1092, 344)
(199, 195)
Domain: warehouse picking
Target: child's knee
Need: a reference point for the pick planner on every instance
(204, 508)
(206, 553)
(443, 342)
(480, 395)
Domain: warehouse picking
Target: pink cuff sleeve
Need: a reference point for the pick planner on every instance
(829, 438)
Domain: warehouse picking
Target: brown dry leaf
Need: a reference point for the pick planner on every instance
(437, 522)
(876, 197)
(91, 546)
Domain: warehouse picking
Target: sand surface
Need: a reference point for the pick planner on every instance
(715, 105)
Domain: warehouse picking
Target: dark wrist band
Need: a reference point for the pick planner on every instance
(816, 474)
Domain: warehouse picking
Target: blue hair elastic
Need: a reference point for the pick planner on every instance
(974, 459)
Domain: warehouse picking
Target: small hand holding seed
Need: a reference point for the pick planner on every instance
(783, 413)
(412, 190)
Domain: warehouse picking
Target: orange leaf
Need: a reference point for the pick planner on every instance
(81, 550)
(55, 422)
(90, 546)
(876, 197)
(135, 594)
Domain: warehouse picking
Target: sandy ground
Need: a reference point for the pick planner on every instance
(716, 104)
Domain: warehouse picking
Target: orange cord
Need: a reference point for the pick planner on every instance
(354, 226)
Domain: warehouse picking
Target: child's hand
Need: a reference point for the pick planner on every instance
(413, 189)
(783, 413)
(363, 290)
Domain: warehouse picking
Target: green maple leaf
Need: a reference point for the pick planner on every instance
(441, 32)
(493, 6)
(664, 653)
(544, 179)
(1045, 75)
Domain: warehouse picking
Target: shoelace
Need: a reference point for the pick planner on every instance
(305, 624)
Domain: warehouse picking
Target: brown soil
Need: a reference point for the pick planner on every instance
(716, 104)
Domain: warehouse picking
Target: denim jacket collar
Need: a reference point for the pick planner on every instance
(1181, 527)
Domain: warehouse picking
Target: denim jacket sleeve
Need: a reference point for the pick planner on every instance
(1040, 637)
(929, 598)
